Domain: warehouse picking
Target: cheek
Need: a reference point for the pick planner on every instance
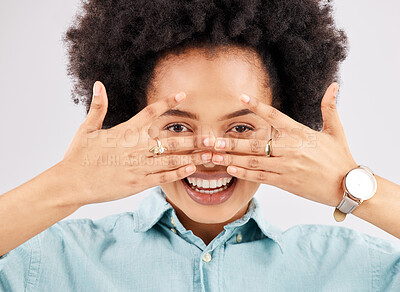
(247, 189)
(171, 189)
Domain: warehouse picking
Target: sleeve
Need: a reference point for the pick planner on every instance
(19, 267)
(385, 256)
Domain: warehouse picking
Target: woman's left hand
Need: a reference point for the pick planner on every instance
(303, 161)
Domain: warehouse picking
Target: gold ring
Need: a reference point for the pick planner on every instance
(159, 148)
(268, 148)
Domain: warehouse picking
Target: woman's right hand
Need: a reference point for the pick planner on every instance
(110, 164)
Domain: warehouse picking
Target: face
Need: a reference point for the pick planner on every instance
(212, 108)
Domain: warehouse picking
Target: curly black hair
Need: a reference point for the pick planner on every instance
(119, 42)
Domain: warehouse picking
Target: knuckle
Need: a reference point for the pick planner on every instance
(255, 146)
(330, 106)
(272, 113)
(254, 162)
(172, 144)
(150, 111)
(232, 144)
(96, 106)
(227, 159)
(133, 182)
(163, 178)
(196, 142)
(296, 167)
(196, 158)
(297, 154)
(293, 168)
(172, 161)
(261, 176)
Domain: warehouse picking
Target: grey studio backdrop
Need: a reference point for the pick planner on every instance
(38, 118)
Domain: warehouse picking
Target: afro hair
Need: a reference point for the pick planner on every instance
(119, 42)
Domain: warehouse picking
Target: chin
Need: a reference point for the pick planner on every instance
(210, 196)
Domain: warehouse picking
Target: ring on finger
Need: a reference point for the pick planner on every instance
(159, 148)
(268, 148)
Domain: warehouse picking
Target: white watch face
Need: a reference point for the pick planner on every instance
(360, 184)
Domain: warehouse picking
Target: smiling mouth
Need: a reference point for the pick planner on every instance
(206, 186)
(210, 188)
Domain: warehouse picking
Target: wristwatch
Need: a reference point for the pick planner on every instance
(359, 185)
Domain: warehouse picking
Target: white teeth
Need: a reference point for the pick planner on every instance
(213, 184)
(210, 192)
(216, 185)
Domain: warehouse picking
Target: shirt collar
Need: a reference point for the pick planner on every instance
(152, 208)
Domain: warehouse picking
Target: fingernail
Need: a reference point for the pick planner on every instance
(232, 169)
(217, 158)
(245, 98)
(220, 144)
(180, 96)
(189, 169)
(208, 141)
(206, 156)
(96, 89)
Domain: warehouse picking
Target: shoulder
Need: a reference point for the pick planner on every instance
(90, 227)
(85, 233)
(346, 254)
(339, 237)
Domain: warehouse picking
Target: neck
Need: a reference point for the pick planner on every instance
(206, 231)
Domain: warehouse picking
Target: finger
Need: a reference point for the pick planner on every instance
(274, 164)
(246, 146)
(168, 162)
(266, 177)
(183, 143)
(330, 116)
(98, 108)
(156, 109)
(270, 114)
(172, 175)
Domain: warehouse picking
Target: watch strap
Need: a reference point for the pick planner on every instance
(347, 205)
(339, 215)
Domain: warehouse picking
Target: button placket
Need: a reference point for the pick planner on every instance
(207, 257)
(172, 221)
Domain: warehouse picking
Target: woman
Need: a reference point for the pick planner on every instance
(192, 93)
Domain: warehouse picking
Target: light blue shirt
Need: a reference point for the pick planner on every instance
(150, 250)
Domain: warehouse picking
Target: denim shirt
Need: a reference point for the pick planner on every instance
(150, 250)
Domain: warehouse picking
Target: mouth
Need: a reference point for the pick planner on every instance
(209, 189)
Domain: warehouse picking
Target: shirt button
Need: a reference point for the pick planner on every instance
(207, 257)
(172, 221)
(239, 238)
(173, 230)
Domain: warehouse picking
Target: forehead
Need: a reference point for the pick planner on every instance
(223, 71)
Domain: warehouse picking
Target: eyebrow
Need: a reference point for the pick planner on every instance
(235, 114)
(185, 114)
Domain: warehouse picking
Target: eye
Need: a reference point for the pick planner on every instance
(241, 129)
(176, 128)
